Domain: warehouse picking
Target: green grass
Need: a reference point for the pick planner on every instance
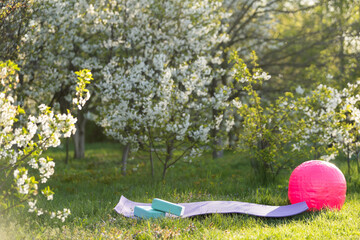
(92, 187)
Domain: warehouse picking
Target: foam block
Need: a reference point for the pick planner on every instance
(147, 212)
(167, 207)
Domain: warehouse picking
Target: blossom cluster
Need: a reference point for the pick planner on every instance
(62, 215)
(23, 138)
(84, 78)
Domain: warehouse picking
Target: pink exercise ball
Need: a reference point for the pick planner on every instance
(320, 184)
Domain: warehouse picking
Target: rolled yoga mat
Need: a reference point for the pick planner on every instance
(126, 207)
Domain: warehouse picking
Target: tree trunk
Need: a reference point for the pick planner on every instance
(217, 141)
(125, 156)
(232, 140)
(151, 161)
(218, 153)
(164, 171)
(79, 137)
(169, 156)
(358, 162)
(67, 151)
(348, 160)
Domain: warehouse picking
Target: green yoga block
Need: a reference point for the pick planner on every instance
(165, 206)
(147, 212)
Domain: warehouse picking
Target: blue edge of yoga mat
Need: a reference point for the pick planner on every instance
(126, 207)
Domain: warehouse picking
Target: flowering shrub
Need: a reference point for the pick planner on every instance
(23, 138)
(332, 122)
(318, 110)
(317, 125)
(268, 130)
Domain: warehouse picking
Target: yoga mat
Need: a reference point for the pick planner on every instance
(126, 207)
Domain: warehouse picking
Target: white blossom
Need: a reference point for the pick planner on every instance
(32, 206)
(300, 90)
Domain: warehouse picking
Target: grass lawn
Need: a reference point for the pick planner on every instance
(92, 187)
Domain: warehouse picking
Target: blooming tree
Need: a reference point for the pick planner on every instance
(63, 36)
(155, 89)
(23, 138)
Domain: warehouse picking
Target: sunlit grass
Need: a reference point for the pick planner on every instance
(92, 187)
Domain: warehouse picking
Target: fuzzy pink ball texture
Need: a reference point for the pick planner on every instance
(320, 184)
